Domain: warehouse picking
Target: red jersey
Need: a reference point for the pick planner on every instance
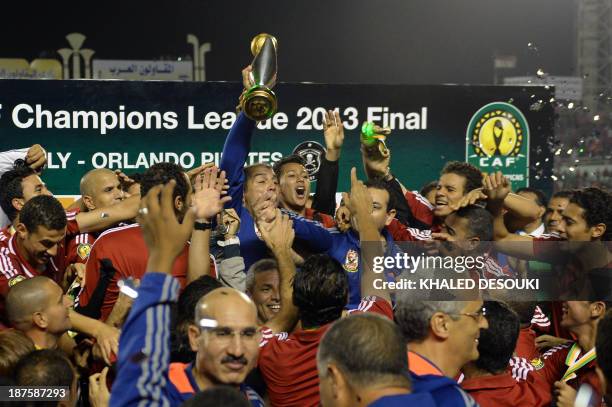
(288, 362)
(14, 267)
(327, 221)
(126, 249)
(420, 207)
(570, 364)
(79, 247)
(525, 345)
(401, 233)
(504, 391)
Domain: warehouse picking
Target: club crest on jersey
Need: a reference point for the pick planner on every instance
(16, 280)
(351, 262)
(83, 250)
(537, 363)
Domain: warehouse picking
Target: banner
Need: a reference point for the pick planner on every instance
(41, 68)
(132, 125)
(143, 70)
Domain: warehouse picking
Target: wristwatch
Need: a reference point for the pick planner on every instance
(201, 225)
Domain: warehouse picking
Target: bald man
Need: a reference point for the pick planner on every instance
(226, 353)
(100, 188)
(224, 335)
(38, 308)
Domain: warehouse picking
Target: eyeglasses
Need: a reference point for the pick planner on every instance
(478, 315)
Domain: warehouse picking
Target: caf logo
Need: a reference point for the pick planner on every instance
(497, 129)
(311, 152)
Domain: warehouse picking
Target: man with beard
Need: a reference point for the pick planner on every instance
(226, 337)
(121, 252)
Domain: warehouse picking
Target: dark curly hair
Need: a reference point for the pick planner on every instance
(320, 290)
(597, 206)
(11, 188)
(376, 183)
(43, 210)
(161, 173)
(472, 175)
(290, 159)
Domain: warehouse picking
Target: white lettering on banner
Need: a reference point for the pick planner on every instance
(125, 160)
(63, 160)
(398, 120)
(25, 116)
(497, 161)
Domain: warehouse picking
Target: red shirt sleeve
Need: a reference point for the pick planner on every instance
(375, 305)
(421, 208)
(545, 250)
(401, 233)
(554, 364)
(79, 248)
(72, 227)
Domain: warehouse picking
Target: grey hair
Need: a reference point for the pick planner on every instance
(259, 267)
(414, 316)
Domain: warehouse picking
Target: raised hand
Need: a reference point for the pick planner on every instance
(264, 208)
(279, 233)
(127, 184)
(470, 198)
(36, 157)
(209, 196)
(333, 131)
(496, 186)
(195, 172)
(360, 199)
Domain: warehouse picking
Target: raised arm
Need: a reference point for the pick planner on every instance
(209, 200)
(144, 345)
(497, 188)
(327, 182)
(100, 219)
(278, 236)
(236, 150)
(360, 204)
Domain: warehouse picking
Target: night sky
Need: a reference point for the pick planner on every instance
(334, 41)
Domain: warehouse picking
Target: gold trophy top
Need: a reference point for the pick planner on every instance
(258, 41)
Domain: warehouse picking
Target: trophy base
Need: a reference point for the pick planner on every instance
(259, 103)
